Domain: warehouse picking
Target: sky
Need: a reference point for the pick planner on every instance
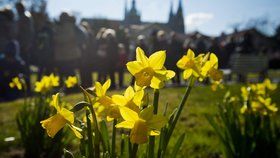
(210, 17)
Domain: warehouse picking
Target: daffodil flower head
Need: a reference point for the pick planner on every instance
(131, 99)
(269, 106)
(210, 68)
(190, 64)
(150, 71)
(270, 86)
(258, 97)
(16, 83)
(71, 81)
(103, 103)
(62, 118)
(142, 125)
(47, 83)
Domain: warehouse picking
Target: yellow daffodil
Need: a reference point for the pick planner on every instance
(258, 96)
(268, 104)
(150, 71)
(142, 125)
(270, 86)
(210, 68)
(59, 120)
(130, 99)
(71, 81)
(16, 83)
(190, 64)
(47, 83)
(104, 103)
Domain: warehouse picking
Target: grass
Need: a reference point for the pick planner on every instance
(200, 140)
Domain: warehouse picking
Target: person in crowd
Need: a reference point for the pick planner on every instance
(122, 35)
(25, 37)
(69, 42)
(111, 49)
(161, 43)
(7, 28)
(101, 55)
(153, 41)
(11, 65)
(88, 56)
(44, 50)
(174, 53)
(121, 63)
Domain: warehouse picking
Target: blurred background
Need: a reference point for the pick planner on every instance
(94, 39)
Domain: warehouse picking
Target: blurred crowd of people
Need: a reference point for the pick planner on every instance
(63, 46)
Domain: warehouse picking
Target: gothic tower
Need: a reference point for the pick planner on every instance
(176, 21)
(132, 16)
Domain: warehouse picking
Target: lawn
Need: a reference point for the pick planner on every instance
(200, 140)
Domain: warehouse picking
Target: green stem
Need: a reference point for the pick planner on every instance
(95, 123)
(96, 132)
(155, 103)
(134, 151)
(122, 143)
(178, 113)
(152, 138)
(114, 138)
(89, 133)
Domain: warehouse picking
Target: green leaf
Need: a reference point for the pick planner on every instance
(79, 106)
(178, 145)
(105, 135)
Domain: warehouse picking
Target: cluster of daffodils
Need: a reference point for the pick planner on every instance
(130, 111)
(16, 83)
(257, 98)
(201, 66)
(47, 83)
(71, 81)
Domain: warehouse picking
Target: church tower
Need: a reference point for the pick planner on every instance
(132, 16)
(176, 21)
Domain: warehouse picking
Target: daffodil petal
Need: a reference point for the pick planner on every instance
(119, 100)
(156, 83)
(134, 67)
(128, 114)
(53, 124)
(154, 133)
(187, 73)
(157, 60)
(76, 131)
(141, 57)
(98, 89)
(214, 59)
(55, 102)
(68, 115)
(129, 93)
(138, 97)
(106, 86)
(190, 54)
(125, 124)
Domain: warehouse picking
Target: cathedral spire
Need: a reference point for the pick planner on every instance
(125, 8)
(133, 5)
(180, 8)
(171, 14)
(178, 19)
